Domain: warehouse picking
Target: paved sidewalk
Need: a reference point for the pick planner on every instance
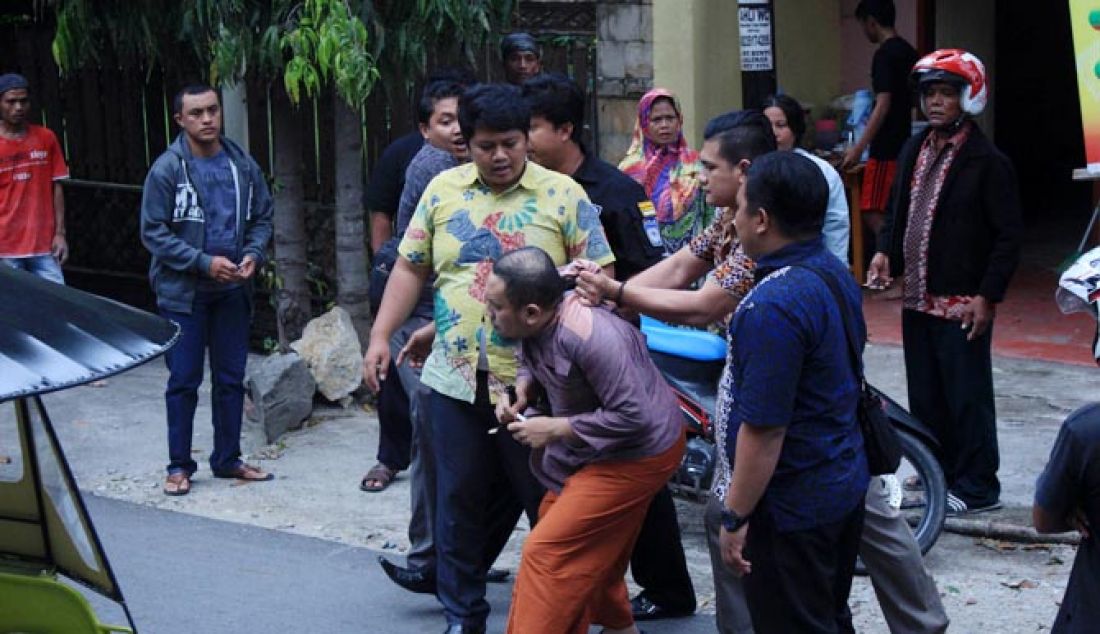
(115, 439)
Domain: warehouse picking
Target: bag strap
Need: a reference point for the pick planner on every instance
(853, 352)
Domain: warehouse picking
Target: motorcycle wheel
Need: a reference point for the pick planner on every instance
(926, 509)
(923, 498)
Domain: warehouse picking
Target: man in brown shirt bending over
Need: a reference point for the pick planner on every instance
(613, 437)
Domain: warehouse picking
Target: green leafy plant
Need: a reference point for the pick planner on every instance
(328, 43)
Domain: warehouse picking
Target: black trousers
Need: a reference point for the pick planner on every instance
(483, 484)
(950, 384)
(800, 580)
(394, 423)
(657, 563)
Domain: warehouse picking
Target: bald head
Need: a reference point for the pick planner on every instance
(530, 277)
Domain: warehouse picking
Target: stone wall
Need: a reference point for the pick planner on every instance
(624, 71)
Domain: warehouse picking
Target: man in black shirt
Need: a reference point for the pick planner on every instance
(387, 179)
(630, 222)
(557, 118)
(1065, 499)
(891, 119)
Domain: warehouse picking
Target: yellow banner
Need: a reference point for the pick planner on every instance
(1084, 16)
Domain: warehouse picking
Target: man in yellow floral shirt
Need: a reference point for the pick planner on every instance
(467, 218)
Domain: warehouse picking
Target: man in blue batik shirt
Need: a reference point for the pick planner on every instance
(794, 512)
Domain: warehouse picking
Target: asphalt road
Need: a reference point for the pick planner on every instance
(183, 573)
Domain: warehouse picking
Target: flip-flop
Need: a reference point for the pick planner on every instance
(381, 475)
(178, 483)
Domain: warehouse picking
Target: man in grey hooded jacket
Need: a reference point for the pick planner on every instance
(206, 219)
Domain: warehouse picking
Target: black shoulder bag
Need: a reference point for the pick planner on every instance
(880, 440)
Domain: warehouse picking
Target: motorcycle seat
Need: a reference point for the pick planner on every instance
(685, 343)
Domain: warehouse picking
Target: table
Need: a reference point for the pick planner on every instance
(853, 182)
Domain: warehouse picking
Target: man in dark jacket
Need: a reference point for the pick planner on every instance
(206, 220)
(953, 230)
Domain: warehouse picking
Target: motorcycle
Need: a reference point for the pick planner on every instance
(691, 361)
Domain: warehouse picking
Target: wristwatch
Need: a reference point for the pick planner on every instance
(731, 521)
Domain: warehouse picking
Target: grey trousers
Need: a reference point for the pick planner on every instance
(906, 592)
(731, 611)
(422, 465)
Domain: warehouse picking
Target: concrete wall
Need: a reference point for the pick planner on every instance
(971, 25)
(625, 56)
(696, 56)
(856, 51)
(808, 50)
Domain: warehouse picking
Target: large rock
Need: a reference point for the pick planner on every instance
(281, 388)
(331, 349)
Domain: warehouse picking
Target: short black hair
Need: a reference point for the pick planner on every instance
(792, 110)
(493, 107)
(556, 98)
(433, 94)
(741, 134)
(882, 11)
(792, 189)
(191, 89)
(530, 277)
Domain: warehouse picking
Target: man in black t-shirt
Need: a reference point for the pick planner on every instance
(1066, 499)
(383, 193)
(627, 216)
(891, 119)
(387, 178)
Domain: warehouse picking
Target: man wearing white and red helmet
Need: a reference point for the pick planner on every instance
(952, 235)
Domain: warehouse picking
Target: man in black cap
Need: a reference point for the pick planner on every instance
(522, 57)
(32, 206)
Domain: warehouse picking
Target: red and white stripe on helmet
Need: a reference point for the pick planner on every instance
(966, 68)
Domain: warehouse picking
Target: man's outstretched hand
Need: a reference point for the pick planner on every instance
(593, 285)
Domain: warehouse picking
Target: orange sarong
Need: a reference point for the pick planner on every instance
(571, 574)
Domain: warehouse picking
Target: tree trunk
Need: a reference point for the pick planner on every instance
(352, 263)
(292, 294)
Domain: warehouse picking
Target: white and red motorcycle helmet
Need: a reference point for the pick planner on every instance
(955, 66)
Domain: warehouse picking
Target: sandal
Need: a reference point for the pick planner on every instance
(178, 483)
(246, 472)
(380, 475)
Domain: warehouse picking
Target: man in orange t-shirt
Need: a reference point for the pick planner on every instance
(32, 206)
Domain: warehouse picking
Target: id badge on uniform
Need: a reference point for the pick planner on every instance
(649, 222)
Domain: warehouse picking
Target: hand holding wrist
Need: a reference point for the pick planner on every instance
(619, 293)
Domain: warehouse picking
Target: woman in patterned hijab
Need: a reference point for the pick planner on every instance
(660, 160)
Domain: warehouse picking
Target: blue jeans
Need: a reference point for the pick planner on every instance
(219, 322)
(44, 266)
(483, 483)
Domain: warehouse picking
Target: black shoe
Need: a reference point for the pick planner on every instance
(459, 628)
(497, 575)
(646, 610)
(957, 506)
(411, 579)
